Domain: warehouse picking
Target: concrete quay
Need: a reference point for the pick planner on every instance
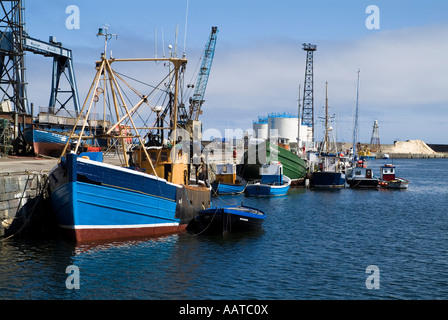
(24, 193)
(22, 189)
(417, 155)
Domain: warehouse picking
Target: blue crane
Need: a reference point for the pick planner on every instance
(197, 99)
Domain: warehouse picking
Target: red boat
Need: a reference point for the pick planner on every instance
(389, 180)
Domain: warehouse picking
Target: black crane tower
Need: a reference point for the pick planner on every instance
(12, 56)
(308, 99)
(14, 43)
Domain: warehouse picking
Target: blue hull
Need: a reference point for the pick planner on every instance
(51, 142)
(227, 188)
(327, 180)
(45, 142)
(266, 190)
(103, 202)
(36, 135)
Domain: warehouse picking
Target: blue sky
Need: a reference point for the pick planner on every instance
(259, 63)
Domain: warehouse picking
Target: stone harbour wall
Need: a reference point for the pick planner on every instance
(19, 195)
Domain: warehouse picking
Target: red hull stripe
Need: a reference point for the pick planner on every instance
(48, 148)
(93, 233)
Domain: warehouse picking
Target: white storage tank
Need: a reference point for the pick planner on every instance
(285, 124)
(261, 128)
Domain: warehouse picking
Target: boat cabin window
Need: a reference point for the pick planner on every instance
(164, 156)
(153, 155)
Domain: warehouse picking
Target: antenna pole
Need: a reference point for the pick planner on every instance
(326, 117)
(185, 36)
(107, 36)
(298, 121)
(155, 41)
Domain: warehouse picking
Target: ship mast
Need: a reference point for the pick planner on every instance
(326, 118)
(105, 71)
(355, 130)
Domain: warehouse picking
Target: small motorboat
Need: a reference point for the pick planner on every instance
(389, 180)
(361, 177)
(226, 219)
(273, 182)
(227, 181)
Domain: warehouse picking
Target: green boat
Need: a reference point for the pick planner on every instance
(294, 167)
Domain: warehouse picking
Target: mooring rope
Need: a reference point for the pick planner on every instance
(39, 195)
(214, 214)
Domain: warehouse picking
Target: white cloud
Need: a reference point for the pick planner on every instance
(402, 72)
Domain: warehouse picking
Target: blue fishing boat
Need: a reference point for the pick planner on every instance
(327, 179)
(221, 188)
(45, 142)
(273, 182)
(227, 219)
(149, 193)
(330, 165)
(227, 182)
(96, 201)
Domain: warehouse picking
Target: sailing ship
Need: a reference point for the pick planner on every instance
(330, 167)
(150, 193)
(359, 176)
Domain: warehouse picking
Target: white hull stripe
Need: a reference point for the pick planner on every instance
(127, 226)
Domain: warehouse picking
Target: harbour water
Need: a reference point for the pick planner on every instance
(314, 244)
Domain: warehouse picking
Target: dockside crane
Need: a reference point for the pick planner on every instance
(197, 99)
(62, 65)
(14, 43)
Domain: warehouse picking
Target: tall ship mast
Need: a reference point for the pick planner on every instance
(330, 167)
(355, 126)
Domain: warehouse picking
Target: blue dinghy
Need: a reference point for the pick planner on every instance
(273, 182)
(227, 181)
